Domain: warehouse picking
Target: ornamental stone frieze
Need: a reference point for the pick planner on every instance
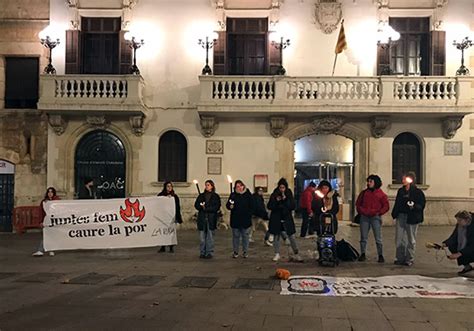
(278, 125)
(98, 121)
(208, 125)
(380, 125)
(450, 126)
(328, 124)
(328, 14)
(58, 123)
(137, 125)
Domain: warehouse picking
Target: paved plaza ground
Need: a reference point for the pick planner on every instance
(140, 289)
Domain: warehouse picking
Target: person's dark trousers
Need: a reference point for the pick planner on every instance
(307, 226)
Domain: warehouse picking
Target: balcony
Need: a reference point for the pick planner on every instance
(66, 94)
(383, 95)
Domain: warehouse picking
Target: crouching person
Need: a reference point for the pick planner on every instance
(461, 241)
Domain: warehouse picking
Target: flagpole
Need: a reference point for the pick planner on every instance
(334, 65)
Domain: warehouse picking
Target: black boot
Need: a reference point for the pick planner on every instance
(162, 249)
(171, 249)
(362, 257)
(381, 259)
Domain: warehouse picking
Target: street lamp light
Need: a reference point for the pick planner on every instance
(49, 44)
(386, 38)
(134, 44)
(464, 44)
(207, 45)
(280, 43)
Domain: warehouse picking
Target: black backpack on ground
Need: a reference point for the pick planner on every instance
(346, 252)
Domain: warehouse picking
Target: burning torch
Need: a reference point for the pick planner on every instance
(229, 179)
(197, 185)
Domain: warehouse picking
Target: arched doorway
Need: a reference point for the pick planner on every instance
(330, 157)
(100, 155)
(7, 195)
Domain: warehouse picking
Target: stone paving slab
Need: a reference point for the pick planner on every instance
(141, 280)
(89, 279)
(40, 277)
(200, 282)
(4, 275)
(254, 284)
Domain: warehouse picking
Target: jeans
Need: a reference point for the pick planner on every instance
(236, 234)
(276, 242)
(376, 224)
(41, 246)
(307, 226)
(207, 242)
(405, 239)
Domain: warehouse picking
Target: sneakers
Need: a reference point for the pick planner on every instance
(362, 257)
(276, 258)
(409, 263)
(245, 255)
(202, 256)
(466, 269)
(208, 256)
(51, 253)
(268, 243)
(235, 255)
(162, 249)
(38, 254)
(251, 240)
(310, 236)
(396, 262)
(381, 259)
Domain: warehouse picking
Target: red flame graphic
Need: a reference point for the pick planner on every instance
(132, 212)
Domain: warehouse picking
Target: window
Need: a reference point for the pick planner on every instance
(173, 157)
(406, 156)
(419, 51)
(21, 82)
(245, 49)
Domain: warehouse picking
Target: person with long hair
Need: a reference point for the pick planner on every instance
(325, 201)
(208, 204)
(168, 191)
(282, 203)
(50, 195)
(260, 216)
(241, 207)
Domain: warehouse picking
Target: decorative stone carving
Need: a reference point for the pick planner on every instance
(278, 125)
(97, 121)
(328, 14)
(381, 3)
(137, 124)
(450, 125)
(58, 123)
(441, 3)
(380, 125)
(328, 124)
(208, 126)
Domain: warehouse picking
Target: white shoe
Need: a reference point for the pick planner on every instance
(38, 253)
(268, 243)
(310, 236)
(51, 253)
(251, 240)
(276, 257)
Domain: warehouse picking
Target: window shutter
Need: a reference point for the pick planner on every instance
(125, 55)
(383, 61)
(219, 55)
(73, 52)
(274, 58)
(438, 53)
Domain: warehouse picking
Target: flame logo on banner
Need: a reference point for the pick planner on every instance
(132, 212)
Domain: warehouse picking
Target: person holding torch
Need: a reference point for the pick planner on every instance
(408, 213)
(208, 205)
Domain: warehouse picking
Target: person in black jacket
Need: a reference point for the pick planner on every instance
(208, 205)
(408, 213)
(461, 241)
(241, 207)
(86, 191)
(325, 201)
(281, 204)
(260, 215)
(168, 191)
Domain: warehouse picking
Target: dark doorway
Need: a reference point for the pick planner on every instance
(21, 82)
(100, 155)
(7, 185)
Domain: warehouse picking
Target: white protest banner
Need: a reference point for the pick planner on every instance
(111, 223)
(403, 286)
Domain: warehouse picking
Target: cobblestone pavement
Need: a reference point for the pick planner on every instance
(140, 289)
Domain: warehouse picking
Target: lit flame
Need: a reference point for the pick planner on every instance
(132, 212)
(229, 179)
(195, 181)
(319, 193)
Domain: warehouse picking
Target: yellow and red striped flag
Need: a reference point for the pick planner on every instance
(341, 40)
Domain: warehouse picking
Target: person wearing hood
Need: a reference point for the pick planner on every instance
(371, 204)
(260, 216)
(208, 204)
(325, 201)
(408, 213)
(281, 205)
(168, 191)
(461, 241)
(241, 206)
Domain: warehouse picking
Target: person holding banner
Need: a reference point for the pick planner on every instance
(461, 241)
(241, 207)
(50, 195)
(86, 191)
(168, 191)
(408, 213)
(207, 204)
(282, 204)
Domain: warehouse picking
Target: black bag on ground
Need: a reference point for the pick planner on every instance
(346, 252)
